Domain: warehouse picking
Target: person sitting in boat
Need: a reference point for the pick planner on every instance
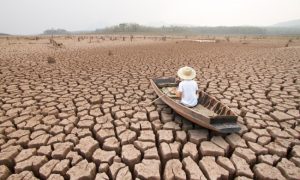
(188, 88)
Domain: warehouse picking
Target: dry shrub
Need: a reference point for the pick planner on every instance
(131, 37)
(54, 43)
(227, 38)
(110, 53)
(51, 60)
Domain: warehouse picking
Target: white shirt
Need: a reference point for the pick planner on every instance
(188, 90)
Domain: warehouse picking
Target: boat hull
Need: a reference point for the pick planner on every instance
(219, 123)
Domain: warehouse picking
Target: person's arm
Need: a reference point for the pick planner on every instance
(197, 90)
(178, 94)
(179, 91)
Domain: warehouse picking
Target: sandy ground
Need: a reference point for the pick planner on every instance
(78, 118)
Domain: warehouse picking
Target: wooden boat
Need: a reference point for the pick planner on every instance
(209, 113)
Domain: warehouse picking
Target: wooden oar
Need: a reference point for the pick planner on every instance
(156, 99)
(144, 106)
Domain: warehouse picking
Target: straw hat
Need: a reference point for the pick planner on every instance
(186, 73)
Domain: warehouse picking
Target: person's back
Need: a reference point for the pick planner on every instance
(188, 90)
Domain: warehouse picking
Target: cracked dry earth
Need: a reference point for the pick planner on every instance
(79, 118)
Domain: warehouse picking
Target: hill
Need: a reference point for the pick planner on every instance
(290, 24)
(3, 34)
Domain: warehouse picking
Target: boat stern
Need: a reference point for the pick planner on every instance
(227, 127)
(225, 124)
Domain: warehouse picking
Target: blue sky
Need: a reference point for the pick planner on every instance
(34, 16)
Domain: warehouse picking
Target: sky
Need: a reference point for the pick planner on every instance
(34, 16)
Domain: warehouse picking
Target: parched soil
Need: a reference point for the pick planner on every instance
(73, 112)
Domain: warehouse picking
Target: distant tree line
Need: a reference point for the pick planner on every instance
(136, 28)
(133, 28)
(184, 30)
(56, 32)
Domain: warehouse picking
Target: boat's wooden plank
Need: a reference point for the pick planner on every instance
(165, 82)
(203, 110)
